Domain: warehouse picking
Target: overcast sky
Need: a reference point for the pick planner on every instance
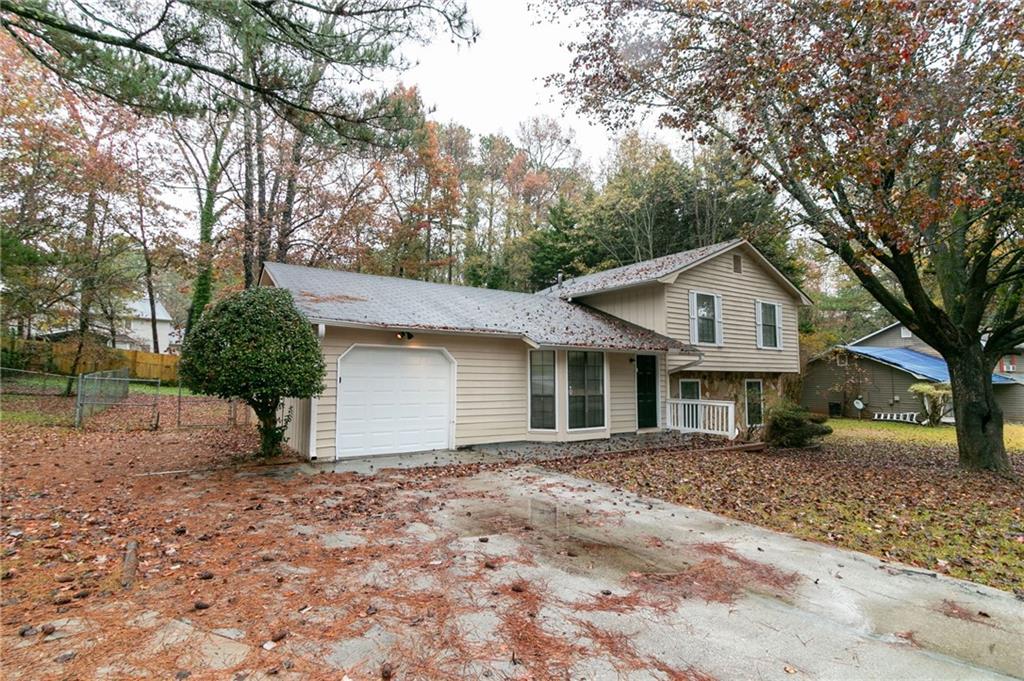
(492, 85)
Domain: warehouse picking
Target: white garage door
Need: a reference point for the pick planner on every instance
(393, 400)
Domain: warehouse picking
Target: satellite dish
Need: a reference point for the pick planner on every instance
(858, 404)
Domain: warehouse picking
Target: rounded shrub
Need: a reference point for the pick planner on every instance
(254, 346)
(790, 425)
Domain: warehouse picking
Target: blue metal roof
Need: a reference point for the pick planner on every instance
(913, 362)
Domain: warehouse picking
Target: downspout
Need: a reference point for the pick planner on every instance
(314, 402)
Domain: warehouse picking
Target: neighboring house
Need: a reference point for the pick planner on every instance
(699, 340)
(879, 369)
(135, 331)
(132, 329)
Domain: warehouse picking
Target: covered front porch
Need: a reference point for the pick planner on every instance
(720, 403)
(711, 417)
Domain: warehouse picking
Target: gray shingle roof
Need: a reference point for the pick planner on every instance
(637, 273)
(139, 309)
(390, 302)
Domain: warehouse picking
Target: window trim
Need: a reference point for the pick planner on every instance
(529, 393)
(758, 327)
(700, 390)
(746, 401)
(719, 321)
(604, 389)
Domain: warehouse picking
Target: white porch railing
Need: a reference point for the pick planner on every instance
(703, 416)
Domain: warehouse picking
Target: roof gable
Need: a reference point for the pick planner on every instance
(666, 270)
(139, 309)
(874, 333)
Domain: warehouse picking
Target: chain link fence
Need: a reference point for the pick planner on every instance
(204, 411)
(37, 397)
(111, 400)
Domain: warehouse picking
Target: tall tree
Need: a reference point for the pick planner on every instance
(895, 128)
(204, 157)
(150, 54)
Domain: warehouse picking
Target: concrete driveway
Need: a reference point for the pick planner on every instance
(783, 608)
(510, 573)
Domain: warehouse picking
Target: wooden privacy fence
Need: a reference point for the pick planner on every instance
(60, 358)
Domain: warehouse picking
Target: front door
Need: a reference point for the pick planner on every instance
(646, 391)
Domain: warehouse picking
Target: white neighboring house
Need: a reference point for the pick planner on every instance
(135, 331)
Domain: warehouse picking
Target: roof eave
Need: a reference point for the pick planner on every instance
(535, 344)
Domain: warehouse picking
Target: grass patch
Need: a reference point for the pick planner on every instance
(859, 430)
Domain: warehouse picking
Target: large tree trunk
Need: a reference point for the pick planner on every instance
(87, 287)
(151, 294)
(248, 202)
(979, 420)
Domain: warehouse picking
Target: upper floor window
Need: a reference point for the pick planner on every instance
(705, 318)
(769, 324)
(905, 332)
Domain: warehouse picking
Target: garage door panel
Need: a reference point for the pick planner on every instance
(393, 400)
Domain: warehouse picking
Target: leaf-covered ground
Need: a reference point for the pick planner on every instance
(886, 496)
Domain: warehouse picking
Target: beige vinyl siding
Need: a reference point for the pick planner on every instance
(1011, 399)
(296, 434)
(491, 401)
(623, 393)
(490, 396)
(641, 305)
(738, 351)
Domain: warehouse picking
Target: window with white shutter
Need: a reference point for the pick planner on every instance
(705, 318)
(768, 324)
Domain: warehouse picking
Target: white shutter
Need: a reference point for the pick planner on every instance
(719, 335)
(757, 324)
(693, 317)
(778, 326)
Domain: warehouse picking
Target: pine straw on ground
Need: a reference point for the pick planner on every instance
(899, 501)
(233, 548)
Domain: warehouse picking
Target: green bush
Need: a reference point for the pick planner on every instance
(257, 347)
(790, 425)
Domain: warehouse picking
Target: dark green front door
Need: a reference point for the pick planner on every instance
(646, 391)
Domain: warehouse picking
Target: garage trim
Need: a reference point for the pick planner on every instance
(453, 389)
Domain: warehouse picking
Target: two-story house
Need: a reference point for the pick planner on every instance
(130, 329)
(694, 341)
(878, 369)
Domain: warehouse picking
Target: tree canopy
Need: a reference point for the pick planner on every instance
(156, 55)
(894, 129)
(254, 346)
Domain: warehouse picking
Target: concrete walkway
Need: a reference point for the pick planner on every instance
(492, 454)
